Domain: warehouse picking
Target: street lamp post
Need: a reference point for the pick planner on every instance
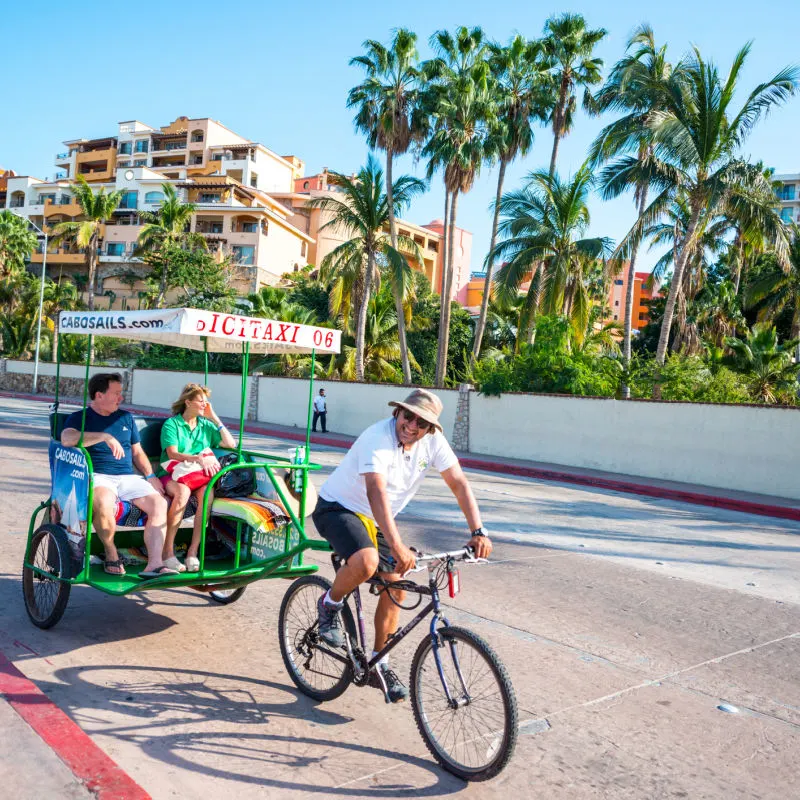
(41, 302)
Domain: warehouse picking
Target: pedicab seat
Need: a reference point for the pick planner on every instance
(129, 516)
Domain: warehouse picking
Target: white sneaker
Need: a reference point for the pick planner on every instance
(173, 563)
(192, 564)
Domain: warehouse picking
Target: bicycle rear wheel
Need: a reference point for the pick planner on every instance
(474, 734)
(313, 671)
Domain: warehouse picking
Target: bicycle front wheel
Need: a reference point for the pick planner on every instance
(307, 659)
(473, 732)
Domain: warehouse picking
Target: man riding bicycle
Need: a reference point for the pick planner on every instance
(357, 505)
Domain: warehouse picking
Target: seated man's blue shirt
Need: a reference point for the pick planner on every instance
(121, 426)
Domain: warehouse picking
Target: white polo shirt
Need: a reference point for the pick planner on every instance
(319, 404)
(378, 450)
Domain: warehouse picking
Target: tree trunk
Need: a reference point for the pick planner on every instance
(443, 281)
(92, 266)
(398, 298)
(361, 320)
(739, 262)
(444, 332)
(487, 283)
(675, 287)
(558, 120)
(526, 333)
(54, 354)
(628, 329)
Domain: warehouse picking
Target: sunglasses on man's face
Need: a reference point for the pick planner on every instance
(422, 424)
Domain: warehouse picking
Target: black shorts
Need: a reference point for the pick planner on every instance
(347, 534)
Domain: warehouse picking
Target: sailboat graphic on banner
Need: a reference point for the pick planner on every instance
(71, 520)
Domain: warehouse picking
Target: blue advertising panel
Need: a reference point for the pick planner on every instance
(69, 495)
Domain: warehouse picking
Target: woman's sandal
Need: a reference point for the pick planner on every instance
(117, 567)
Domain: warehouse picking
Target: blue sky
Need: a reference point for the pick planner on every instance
(279, 74)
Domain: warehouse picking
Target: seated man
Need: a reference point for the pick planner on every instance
(358, 504)
(112, 440)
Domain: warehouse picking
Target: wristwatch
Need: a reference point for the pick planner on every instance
(479, 532)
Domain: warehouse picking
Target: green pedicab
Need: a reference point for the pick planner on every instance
(263, 534)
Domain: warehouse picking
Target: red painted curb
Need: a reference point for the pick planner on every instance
(88, 762)
(695, 498)
(627, 487)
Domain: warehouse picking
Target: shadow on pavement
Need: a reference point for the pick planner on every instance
(154, 701)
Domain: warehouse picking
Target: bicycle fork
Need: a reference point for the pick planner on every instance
(436, 639)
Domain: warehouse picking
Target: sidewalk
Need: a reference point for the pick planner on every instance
(745, 502)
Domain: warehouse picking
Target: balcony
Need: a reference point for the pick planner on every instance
(66, 205)
(60, 256)
(61, 157)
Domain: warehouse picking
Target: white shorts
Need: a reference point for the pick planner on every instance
(125, 487)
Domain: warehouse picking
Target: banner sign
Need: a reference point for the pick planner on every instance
(69, 495)
(189, 327)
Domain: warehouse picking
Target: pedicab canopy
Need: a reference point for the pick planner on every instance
(196, 329)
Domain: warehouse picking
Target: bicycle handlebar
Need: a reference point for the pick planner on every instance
(465, 554)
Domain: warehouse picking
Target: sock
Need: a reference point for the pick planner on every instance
(330, 602)
(384, 662)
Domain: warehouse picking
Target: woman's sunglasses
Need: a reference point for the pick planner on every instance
(422, 424)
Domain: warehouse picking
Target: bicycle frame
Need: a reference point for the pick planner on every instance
(434, 606)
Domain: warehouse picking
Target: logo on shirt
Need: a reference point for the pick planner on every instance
(124, 427)
(423, 463)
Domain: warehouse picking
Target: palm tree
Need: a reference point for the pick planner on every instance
(386, 106)
(17, 242)
(459, 103)
(766, 365)
(96, 210)
(695, 143)
(520, 87)
(58, 296)
(569, 45)
(544, 223)
(636, 87)
(169, 225)
(381, 347)
(363, 214)
(779, 289)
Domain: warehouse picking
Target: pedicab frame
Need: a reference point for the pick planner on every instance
(214, 332)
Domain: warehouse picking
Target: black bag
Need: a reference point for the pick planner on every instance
(237, 482)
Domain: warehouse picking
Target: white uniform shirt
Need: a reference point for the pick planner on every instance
(319, 404)
(378, 450)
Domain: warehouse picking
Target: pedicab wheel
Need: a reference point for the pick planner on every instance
(313, 671)
(46, 597)
(473, 732)
(226, 596)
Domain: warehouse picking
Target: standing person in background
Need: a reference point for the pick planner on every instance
(320, 412)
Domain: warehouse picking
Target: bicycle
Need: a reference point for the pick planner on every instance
(457, 680)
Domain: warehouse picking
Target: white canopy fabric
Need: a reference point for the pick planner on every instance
(188, 327)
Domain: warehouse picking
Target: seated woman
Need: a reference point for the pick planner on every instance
(194, 428)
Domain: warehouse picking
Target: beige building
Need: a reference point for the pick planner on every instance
(229, 179)
(428, 237)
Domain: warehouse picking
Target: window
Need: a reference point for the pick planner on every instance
(207, 197)
(788, 192)
(139, 163)
(244, 255)
(616, 302)
(786, 214)
(216, 227)
(125, 148)
(642, 316)
(197, 159)
(141, 146)
(46, 198)
(303, 248)
(249, 227)
(197, 136)
(129, 200)
(115, 249)
(153, 197)
(121, 164)
(305, 184)
(618, 282)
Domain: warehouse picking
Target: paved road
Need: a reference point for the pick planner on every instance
(625, 623)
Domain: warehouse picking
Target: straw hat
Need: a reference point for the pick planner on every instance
(424, 404)
(293, 497)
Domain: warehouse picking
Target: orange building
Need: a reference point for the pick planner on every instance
(643, 292)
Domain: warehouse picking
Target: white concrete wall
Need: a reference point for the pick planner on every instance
(352, 407)
(49, 368)
(733, 447)
(160, 388)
